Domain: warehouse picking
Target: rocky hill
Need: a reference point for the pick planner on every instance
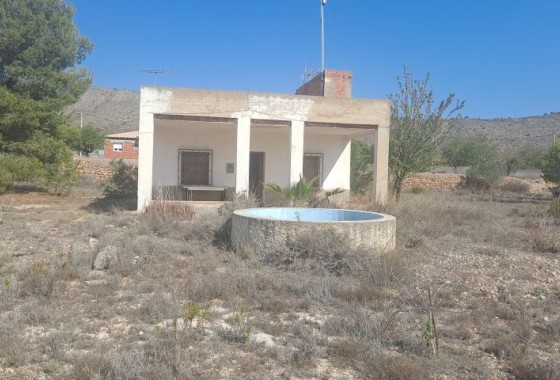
(109, 109)
(115, 110)
(511, 133)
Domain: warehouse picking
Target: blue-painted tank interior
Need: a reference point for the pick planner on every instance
(296, 214)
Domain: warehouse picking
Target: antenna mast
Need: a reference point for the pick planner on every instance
(323, 2)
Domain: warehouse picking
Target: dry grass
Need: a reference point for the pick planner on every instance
(177, 302)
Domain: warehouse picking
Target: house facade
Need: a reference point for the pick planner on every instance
(121, 146)
(208, 145)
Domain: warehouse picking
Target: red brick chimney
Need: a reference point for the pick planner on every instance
(330, 83)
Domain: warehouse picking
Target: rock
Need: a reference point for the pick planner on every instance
(105, 258)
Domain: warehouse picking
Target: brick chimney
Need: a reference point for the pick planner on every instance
(336, 84)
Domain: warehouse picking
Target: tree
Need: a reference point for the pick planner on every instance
(39, 50)
(418, 127)
(85, 140)
(467, 151)
(361, 173)
(550, 164)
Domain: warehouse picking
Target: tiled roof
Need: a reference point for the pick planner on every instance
(124, 135)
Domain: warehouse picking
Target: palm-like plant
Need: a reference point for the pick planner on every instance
(297, 194)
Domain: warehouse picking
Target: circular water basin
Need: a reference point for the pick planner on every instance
(262, 228)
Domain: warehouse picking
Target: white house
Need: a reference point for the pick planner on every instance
(208, 145)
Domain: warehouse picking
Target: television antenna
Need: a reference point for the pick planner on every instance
(155, 72)
(323, 2)
(307, 74)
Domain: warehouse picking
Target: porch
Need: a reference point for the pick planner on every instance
(210, 145)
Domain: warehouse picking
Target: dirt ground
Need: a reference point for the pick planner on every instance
(472, 291)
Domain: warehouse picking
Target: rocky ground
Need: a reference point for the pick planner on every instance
(89, 290)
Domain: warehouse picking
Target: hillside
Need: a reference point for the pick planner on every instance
(513, 132)
(109, 109)
(116, 110)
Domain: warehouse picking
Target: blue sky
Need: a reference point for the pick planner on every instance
(501, 56)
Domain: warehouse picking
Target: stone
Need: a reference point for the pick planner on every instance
(105, 258)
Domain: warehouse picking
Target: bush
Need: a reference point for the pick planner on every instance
(361, 161)
(485, 175)
(123, 181)
(42, 161)
(550, 164)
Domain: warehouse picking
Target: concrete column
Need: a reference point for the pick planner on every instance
(381, 164)
(145, 159)
(243, 155)
(296, 151)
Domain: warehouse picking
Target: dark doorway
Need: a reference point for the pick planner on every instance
(256, 174)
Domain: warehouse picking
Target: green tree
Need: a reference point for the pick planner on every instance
(467, 151)
(550, 164)
(40, 49)
(85, 140)
(361, 174)
(418, 127)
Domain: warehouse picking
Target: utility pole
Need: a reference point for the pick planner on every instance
(323, 2)
(81, 127)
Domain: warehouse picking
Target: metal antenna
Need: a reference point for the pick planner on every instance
(155, 72)
(307, 73)
(323, 2)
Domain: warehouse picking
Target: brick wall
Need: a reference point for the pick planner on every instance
(129, 152)
(338, 84)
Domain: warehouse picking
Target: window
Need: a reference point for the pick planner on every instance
(118, 146)
(313, 167)
(195, 167)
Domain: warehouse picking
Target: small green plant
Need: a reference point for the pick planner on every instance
(538, 291)
(243, 331)
(417, 189)
(297, 194)
(193, 310)
(428, 333)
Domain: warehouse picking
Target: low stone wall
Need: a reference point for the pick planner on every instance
(96, 167)
(435, 180)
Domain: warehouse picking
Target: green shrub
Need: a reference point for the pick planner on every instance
(123, 181)
(43, 161)
(485, 175)
(550, 164)
(361, 161)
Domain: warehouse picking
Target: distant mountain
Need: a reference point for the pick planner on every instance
(116, 111)
(108, 109)
(510, 133)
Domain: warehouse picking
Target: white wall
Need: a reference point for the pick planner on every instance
(168, 141)
(336, 158)
(275, 142)
(276, 145)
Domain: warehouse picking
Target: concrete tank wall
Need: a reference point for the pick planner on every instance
(263, 233)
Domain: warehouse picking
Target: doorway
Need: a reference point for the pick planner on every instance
(256, 174)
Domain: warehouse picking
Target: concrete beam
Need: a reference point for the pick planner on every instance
(381, 164)
(145, 159)
(296, 151)
(243, 154)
